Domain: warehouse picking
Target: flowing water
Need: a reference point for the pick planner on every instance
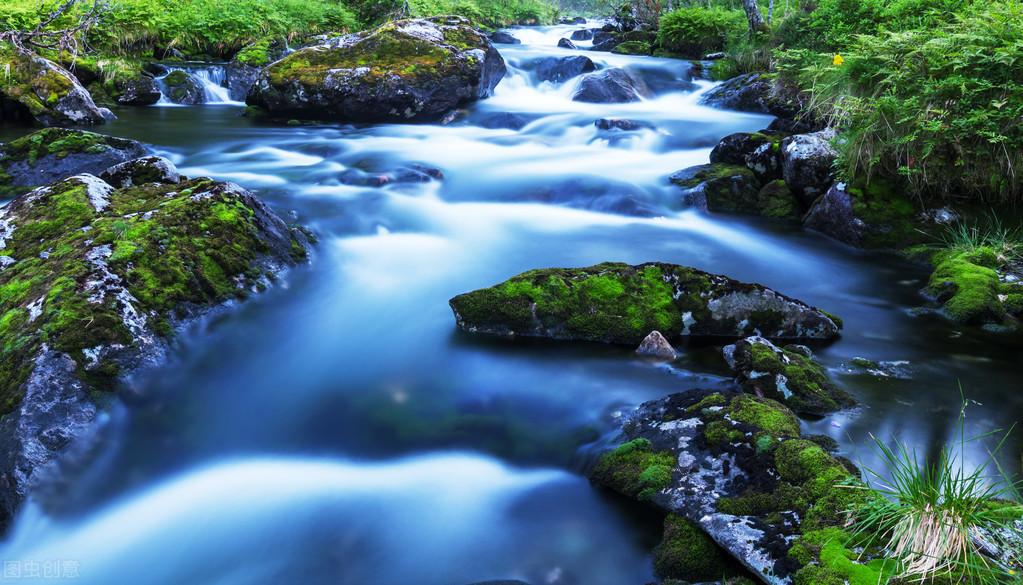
(338, 430)
(212, 79)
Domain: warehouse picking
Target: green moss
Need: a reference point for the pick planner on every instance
(720, 432)
(968, 285)
(776, 200)
(798, 381)
(764, 414)
(167, 249)
(607, 302)
(383, 52)
(632, 48)
(256, 54)
(634, 469)
(56, 142)
(888, 212)
(686, 552)
(834, 563)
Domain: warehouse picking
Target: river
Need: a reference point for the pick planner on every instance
(337, 429)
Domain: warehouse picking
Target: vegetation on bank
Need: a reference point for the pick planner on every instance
(221, 28)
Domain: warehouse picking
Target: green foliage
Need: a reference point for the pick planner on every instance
(686, 552)
(217, 28)
(489, 14)
(696, 31)
(932, 509)
(940, 106)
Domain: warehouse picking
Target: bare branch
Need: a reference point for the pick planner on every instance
(71, 39)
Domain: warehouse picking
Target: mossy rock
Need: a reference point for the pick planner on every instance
(686, 552)
(742, 474)
(619, 303)
(635, 470)
(775, 200)
(632, 48)
(967, 284)
(52, 154)
(789, 377)
(405, 70)
(98, 273)
(720, 188)
(35, 90)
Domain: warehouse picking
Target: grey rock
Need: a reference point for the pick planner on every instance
(566, 44)
(610, 86)
(655, 345)
(148, 169)
(504, 38)
(559, 69)
(34, 102)
(808, 162)
(349, 83)
(101, 153)
(582, 35)
(140, 90)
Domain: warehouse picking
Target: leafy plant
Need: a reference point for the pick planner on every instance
(696, 31)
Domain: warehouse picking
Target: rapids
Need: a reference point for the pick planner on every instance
(337, 429)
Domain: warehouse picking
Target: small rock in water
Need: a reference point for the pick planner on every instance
(655, 345)
(620, 124)
(897, 369)
(566, 44)
(582, 35)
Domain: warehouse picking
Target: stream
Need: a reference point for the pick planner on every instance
(337, 429)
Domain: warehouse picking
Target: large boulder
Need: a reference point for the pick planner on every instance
(52, 154)
(94, 280)
(877, 215)
(610, 86)
(786, 375)
(808, 164)
(619, 303)
(736, 466)
(37, 90)
(137, 90)
(558, 69)
(402, 71)
(243, 70)
(751, 92)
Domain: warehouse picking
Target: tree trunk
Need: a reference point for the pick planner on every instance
(756, 20)
(770, 12)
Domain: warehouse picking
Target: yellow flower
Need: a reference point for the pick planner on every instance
(838, 60)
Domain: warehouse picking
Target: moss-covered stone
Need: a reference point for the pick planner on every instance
(828, 560)
(743, 475)
(635, 470)
(403, 70)
(619, 303)
(686, 552)
(98, 273)
(966, 282)
(52, 154)
(787, 376)
(632, 48)
(776, 200)
(37, 90)
(720, 188)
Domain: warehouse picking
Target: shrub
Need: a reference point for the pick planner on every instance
(940, 106)
(834, 23)
(694, 32)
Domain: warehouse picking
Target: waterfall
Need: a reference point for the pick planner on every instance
(211, 78)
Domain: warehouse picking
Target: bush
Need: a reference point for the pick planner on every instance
(694, 32)
(489, 14)
(941, 106)
(834, 23)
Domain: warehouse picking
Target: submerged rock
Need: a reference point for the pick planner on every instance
(558, 69)
(52, 154)
(402, 71)
(610, 86)
(95, 279)
(655, 345)
(790, 377)
(37, 90)
(619, 303)
(621, 124)
(735, 466)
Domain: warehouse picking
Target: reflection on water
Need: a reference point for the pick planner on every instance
(277, 443)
